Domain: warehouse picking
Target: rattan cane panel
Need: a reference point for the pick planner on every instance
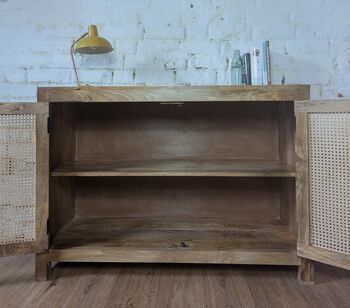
(330, 181)
(18, 176)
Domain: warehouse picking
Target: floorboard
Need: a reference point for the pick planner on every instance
(142, 285)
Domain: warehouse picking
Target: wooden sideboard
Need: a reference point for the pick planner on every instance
(175, 175)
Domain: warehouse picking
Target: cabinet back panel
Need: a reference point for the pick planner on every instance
(107, 131)
(227, 198)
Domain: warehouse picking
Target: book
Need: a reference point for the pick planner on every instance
(256, 67)
(268, 60)
(246, 72)
(266, 63)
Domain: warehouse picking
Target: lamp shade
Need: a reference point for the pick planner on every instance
(92, 43)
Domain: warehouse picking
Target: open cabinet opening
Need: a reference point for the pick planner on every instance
(190, 182)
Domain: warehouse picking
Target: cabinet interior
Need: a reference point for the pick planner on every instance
(175, 179)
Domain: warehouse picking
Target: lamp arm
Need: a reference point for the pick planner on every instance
(72, 56)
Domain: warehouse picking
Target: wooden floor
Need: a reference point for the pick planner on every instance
(128, 285)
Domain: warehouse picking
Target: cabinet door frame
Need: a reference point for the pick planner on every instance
(41, 110)
(304, 247)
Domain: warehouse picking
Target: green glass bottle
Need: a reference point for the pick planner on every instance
(236, 68)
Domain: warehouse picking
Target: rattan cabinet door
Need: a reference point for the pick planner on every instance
(323, 181)
(24, 178)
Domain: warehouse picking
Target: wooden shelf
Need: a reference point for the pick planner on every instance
(166, 239)
(176, 167)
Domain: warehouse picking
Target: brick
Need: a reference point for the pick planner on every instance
(314, 25)
(125, 24)
(335, 91)
(123, 77)
(229, 26)
(207, 47)
(273, 20)
(162, 24)
(171, 8)
(17, 92)
(196, 12)
(49, 75)
(95, 76)
(169, 32)
(176, 63)
(210, 62)
(340, 52)
(303, 76)
(110, 60)
(13, 75)
(307, 46)
(196, 32)
(154, 77)
(197, 77)
(127, 47)
(151, 55)
(133, 4)
(316, 91)
(173, 42)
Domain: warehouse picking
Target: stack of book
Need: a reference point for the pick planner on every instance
(257, 66)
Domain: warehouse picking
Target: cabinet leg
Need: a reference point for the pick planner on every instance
(306, 271)
(42, 267)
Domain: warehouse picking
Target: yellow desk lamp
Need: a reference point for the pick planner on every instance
(89, 43)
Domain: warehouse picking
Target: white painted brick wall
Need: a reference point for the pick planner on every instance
(172, 42)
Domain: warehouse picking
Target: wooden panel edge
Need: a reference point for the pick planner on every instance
(324, 256)
(41, 94)
(174, 93)
(18, 249)
(24, 108)
(172, 174)
(339, 105)
(302, 177)
(100, 254)
(42, 180)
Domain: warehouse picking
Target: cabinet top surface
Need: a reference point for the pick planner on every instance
(174, 93)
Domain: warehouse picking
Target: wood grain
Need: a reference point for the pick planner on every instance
(174, 93)
(22, 248)
(254, 199)
(287, 204)
(42, 267)
(195, 131)
(167, 240)
(159, 286)
(62, 150)
(302, 179)
(339, 105)
(306, 271)
(201, 182)
(176, 167)
(24, 108)
(324, 256)
(42, 179)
